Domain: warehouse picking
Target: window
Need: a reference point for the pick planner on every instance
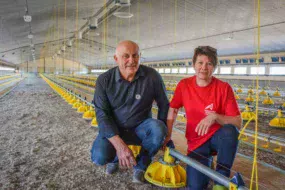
(240, 70)
(174, 70)
(98, 70)
(6, 69)
(225, 70)
(244, 60)
(282, 59)
(277, 71)
(183, 70)
(161, 70)
(257, 70)
(167, 70)
(191, 70)
(252, 60)
(261, 60)
(227, 61)
(238, 60)
(221, 62)
(275, 59)
(216, 71)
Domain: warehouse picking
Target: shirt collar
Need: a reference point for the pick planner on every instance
(118, 76)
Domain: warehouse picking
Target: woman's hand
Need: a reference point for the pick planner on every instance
(204, 125)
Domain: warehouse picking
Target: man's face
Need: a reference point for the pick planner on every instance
(127, 57)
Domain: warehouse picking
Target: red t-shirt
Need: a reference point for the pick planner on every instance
(217, 97)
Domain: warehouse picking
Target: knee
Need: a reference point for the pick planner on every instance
(99, 160)
(100, 154)
(229, 131)
(158, 130)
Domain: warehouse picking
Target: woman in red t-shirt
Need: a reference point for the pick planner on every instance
(212, 118)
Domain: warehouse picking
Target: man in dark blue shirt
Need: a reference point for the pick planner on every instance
(123, 100)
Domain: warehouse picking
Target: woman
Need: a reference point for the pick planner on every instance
(212, 118)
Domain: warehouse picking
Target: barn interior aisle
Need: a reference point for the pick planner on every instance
(45, 144)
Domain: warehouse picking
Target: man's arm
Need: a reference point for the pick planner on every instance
(108, 127)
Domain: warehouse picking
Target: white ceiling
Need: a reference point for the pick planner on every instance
(164, 29)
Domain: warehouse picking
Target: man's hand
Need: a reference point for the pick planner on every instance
(125, 155)
(204, 125)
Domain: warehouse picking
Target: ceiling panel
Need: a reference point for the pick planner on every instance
(164, 29)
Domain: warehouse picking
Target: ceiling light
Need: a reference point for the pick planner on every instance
(30, 36)
(27, 18)
(63, 48)
(123, 15)
(69, 43)
(123, 3)
(93, 23)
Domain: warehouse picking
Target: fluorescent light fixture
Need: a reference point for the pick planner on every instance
(123, 15)
(123, 3)
(30, 36)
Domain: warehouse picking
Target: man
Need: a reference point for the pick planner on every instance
(123, 101)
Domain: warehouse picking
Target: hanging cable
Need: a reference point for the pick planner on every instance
(254, 173)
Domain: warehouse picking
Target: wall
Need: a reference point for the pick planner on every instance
(49, 65)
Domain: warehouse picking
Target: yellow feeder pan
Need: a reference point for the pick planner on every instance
(72, 101)
(248, 114)
(239, 90)
(276, 93)
(77, 104)
(170, 98)
(68, 98)
(166, 173)
(249, 98)
(262, 93)
(278, 121)
(237, 96)
(268, 101)
(89, 114)
(94, 122)
(83, 108)
(250, 91)
(135, 149)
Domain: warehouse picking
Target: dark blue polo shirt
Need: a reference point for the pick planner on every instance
(121, 104)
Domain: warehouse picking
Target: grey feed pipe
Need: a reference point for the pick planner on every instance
(203, 169)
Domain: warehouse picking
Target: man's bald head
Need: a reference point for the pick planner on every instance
(126, 44)
(127, 57)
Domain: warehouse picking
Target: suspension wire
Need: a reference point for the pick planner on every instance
(77, 40)
(254, 166)
(64, 34)
(138, 20)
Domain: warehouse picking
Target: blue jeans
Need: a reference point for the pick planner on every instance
(225, 143)
(150, 134)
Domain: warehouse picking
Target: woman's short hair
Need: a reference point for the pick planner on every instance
(208, 51)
